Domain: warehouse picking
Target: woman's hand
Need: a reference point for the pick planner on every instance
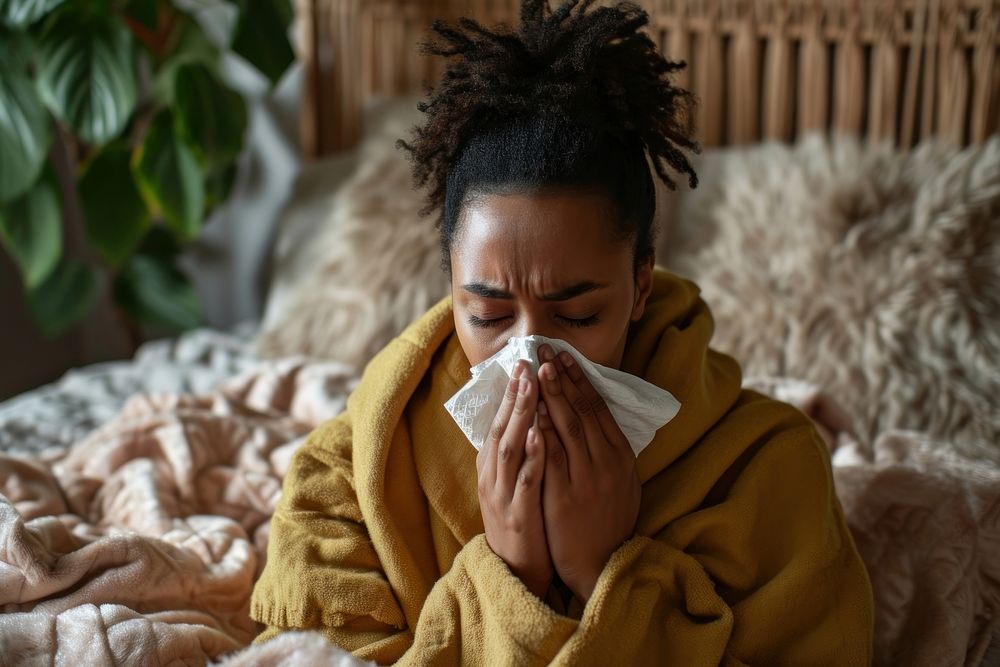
(511, 464)
(591, 488)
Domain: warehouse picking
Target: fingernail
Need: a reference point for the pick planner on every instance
(567, 359)
(547, 353)
(518, 369)
(550, 372)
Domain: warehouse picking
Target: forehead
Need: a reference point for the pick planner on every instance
(556, 234)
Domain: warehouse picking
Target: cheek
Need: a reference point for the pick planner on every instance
(598, 346)
(602, 343)
(477, 346)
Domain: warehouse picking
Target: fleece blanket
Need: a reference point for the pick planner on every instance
(140, 544)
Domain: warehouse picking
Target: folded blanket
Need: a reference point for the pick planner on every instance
(140, 544)
(741, 553)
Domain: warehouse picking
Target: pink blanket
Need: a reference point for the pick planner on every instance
(141, 543)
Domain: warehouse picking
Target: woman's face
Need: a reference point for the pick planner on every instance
(545, 264)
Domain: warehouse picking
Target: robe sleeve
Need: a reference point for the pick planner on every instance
(767, 576)
(323, 573)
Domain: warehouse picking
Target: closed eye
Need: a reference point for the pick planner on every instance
(569, 321)
(486, 324)
(582, 322)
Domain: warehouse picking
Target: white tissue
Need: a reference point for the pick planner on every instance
(639, 407)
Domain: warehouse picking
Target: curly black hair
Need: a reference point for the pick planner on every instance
(573, 100)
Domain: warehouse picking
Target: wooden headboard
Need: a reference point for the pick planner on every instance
(762, 69)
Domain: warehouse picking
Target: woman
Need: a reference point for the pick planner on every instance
(721, 543)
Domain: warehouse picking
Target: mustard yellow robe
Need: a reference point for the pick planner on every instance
(741, 555)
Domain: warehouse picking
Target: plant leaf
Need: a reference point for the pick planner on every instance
(87, 76)
(192, 45)
(169, 178)
(155, 292)
(210, 116)
(116, 214)
(65, 297)
(25, 131)
(31, 229)
(261, 36)
(22, 13)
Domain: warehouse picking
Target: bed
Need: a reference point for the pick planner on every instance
(852, 160)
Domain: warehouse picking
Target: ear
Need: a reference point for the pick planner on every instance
(643, 288)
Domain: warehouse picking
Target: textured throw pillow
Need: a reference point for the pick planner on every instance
(872, 272)
(371, 266)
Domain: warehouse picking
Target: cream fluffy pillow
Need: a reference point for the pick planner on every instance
(870, 272)
(371, 268)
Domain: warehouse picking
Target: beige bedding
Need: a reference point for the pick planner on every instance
(140, 544)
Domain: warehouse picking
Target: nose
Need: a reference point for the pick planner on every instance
(536, 324)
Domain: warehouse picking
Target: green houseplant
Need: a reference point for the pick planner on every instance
(132, 91)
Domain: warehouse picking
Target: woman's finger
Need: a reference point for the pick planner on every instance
(597, 447)
(591, 401)
(557, 475)
(510, 453)
(486, 460)
(528, 489)
(574, 419)
(566, 422)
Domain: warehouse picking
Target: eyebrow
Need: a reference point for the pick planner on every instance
(491, 292)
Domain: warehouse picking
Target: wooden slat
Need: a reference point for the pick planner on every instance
(814, 73)
(743, 120)
(929, 84)
(779, 72)
(849, 79)
(307, 44)
(985, 113)
(953, 73)
(884, 89)
(709, 78)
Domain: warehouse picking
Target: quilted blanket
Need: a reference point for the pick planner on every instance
(140, 543)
